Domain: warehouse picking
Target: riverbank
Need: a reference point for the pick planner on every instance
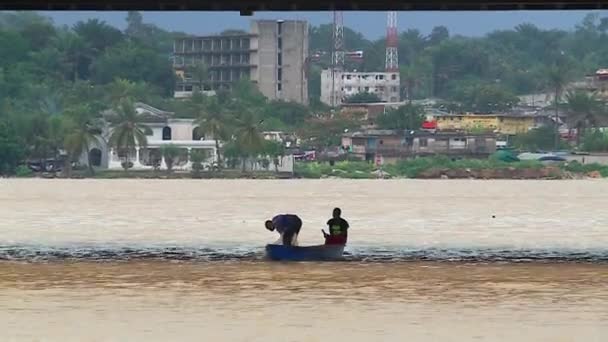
(149, 174)
(445, 168)
(419, 168)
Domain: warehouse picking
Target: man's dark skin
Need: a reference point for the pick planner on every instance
(338, 229)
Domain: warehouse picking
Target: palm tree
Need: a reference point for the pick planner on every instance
(127, 131)
(248, 135)
(213, 121)
(275, 150)
(74, 52)
(557, 80)
(81, 134)
(584, 110)
(122, 89)
(411, 76)
(170, 154)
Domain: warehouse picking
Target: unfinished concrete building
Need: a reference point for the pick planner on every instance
(385, 85)
(273, 56)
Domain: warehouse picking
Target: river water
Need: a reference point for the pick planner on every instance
(160, 260)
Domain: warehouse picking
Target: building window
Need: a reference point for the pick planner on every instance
(280, 59)
(381, 142)
(366, 89)
(393, 76)
(279, 87)
(423, 142)
(166, 133)
(280, 43)
(349, 88)
(280, 75)
(393, 89)
(188, 88)
(348, 77)
(279, 27)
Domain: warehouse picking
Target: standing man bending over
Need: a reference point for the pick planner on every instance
(287, 225)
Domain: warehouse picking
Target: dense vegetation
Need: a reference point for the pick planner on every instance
(504, 63)
(55, 81)
(418, 167)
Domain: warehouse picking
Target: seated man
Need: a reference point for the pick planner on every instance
(338, 229)
(287, 225)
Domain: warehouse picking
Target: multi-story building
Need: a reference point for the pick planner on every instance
(273, 56)
(345, 83)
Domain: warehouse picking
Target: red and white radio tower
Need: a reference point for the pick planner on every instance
(392, 58)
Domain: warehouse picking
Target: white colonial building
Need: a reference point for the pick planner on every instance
(184, 134)
(345, 83)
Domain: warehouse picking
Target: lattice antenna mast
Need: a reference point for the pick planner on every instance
(338, 57)
(392, 43)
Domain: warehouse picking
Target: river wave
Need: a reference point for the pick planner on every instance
(30, 253)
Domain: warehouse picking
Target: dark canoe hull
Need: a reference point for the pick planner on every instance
(304, 253)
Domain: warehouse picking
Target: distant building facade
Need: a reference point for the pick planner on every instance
(498, 123)
(165, 129)
(343, 84)
(597, 83)
(392, 145)
(273, 55)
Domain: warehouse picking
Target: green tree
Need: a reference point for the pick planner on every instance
(542, 138)
(485, 98)
(135, 63)
(200, 74)
(557, 79)
(324, 131)
(123, 89)
(11, 152)
(407, 117)
(197, 157)
(38, 33)
(412, 77)
(274, 150)
(292, 114)
(75, 55)
(128, 131)
(249, 139)
(170, 153)
(595, 141)
(98, 35)
(212, 121)
(584, 110)
(82, 133)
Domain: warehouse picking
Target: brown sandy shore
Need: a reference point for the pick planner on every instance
(440, 279)
(307, 302)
